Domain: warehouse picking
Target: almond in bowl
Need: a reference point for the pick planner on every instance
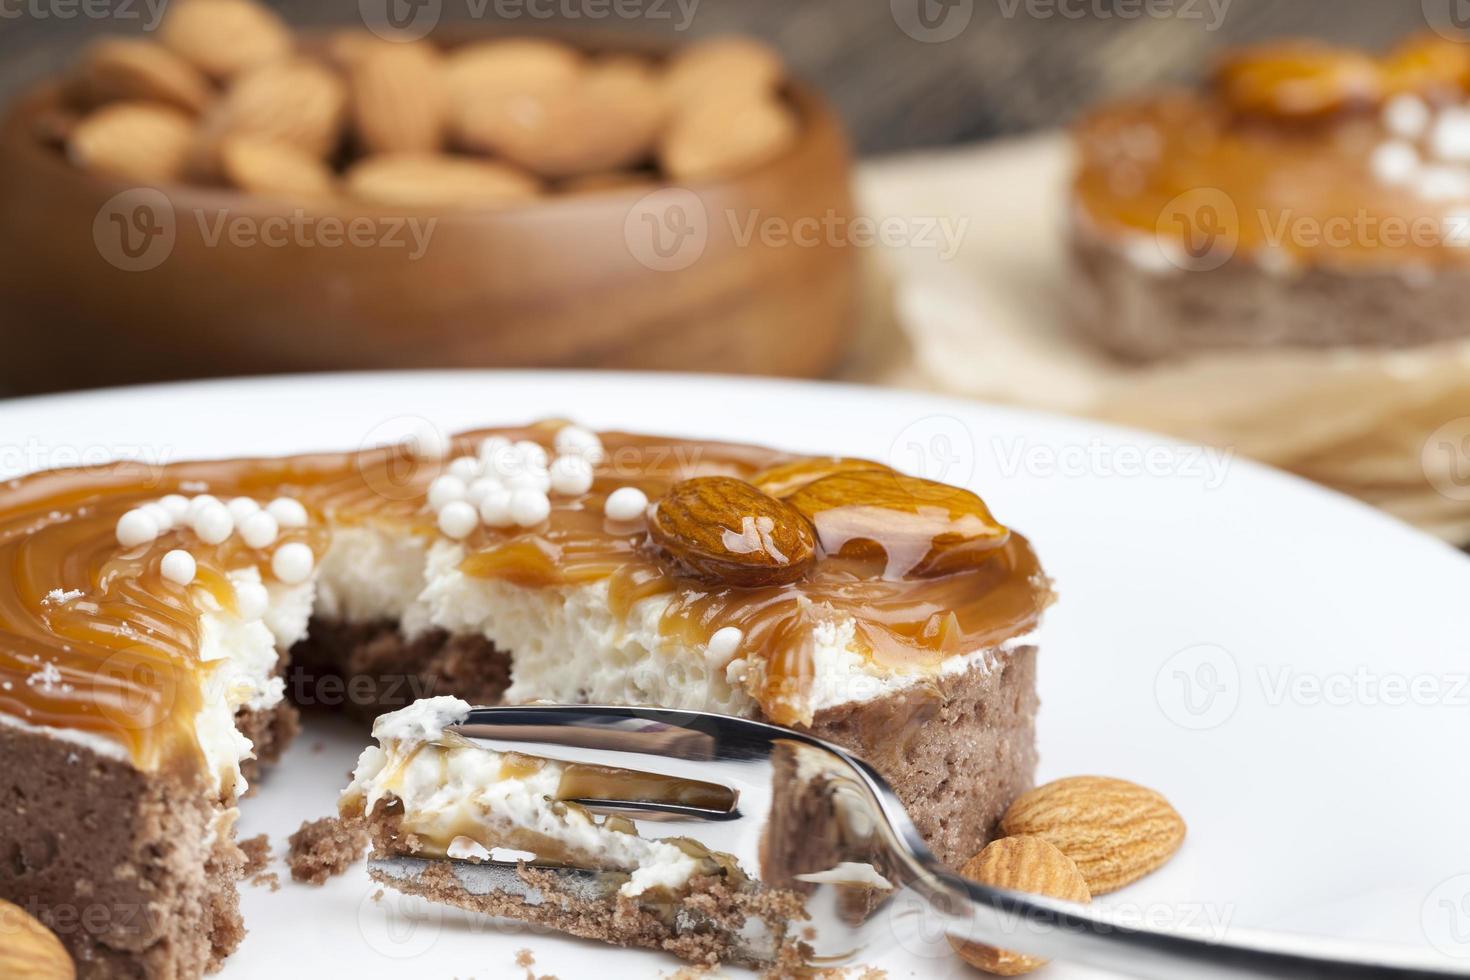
(472, 201)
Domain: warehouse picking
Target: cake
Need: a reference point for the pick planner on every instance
(150, 613)
(1310, 197)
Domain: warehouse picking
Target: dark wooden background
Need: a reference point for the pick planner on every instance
(1012, 66)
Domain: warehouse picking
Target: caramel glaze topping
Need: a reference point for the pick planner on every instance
(1276, 157)
(94, 639)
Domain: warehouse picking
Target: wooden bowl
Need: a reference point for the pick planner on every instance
(106, 283)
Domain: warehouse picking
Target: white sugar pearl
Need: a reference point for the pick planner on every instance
(626, 504)
(723, 644)
(136, 527)
(480, 489)
(260, 530)
(495, 508)
(287, 512)
(241, 508)
(251, 600)
(213, 523)
(292, 563)
(179, 566)
(160, 515)
(200, 503)
(526, 479)
(445, 489)
(492, 447)
(428, 442)
(533, 454)
(466, 468)
(573, 440)
(571, 475)
(1394, 162)
(1450, 137)
(1406, 117)
(177, 506)
(529, 507)
(457, 519)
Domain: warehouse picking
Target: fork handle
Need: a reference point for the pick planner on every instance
(1088, 936)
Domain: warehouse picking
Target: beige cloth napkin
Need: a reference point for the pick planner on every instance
(988, 319)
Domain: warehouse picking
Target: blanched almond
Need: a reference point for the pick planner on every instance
(298, 102)
(437, 181)
(274, 169)
(140, 141)
(606, 119)
(126, 69)
(400, 99)
(225, 37)
(725, 136)
(723, 67)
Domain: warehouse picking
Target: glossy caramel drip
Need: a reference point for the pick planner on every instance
(93, 639)
(1210, 183)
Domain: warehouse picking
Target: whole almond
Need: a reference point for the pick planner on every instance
(118, 69)
(723, 66)
(30, 951)
(1115, 831)
(607, 119)
(140, 141)
(225, 37)
(400, 100)
(1295, 79)
(725, 136)
(724, 531)
(494, 69)
(1019, 864)
(274, 169)
(415, 180)
(299, 103)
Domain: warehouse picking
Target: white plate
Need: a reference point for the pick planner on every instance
(1288, 666)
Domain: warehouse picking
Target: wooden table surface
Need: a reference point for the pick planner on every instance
(1010, 66)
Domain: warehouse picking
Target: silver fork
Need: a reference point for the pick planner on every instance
(865, 827)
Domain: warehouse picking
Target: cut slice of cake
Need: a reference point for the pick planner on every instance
(145, 625)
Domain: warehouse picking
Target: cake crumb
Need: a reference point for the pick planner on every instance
(268, 879)
(257, 854)
(378, 895)
(324, 848)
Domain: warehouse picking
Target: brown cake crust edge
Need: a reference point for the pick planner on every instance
(125, 867)
(1142, 314)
